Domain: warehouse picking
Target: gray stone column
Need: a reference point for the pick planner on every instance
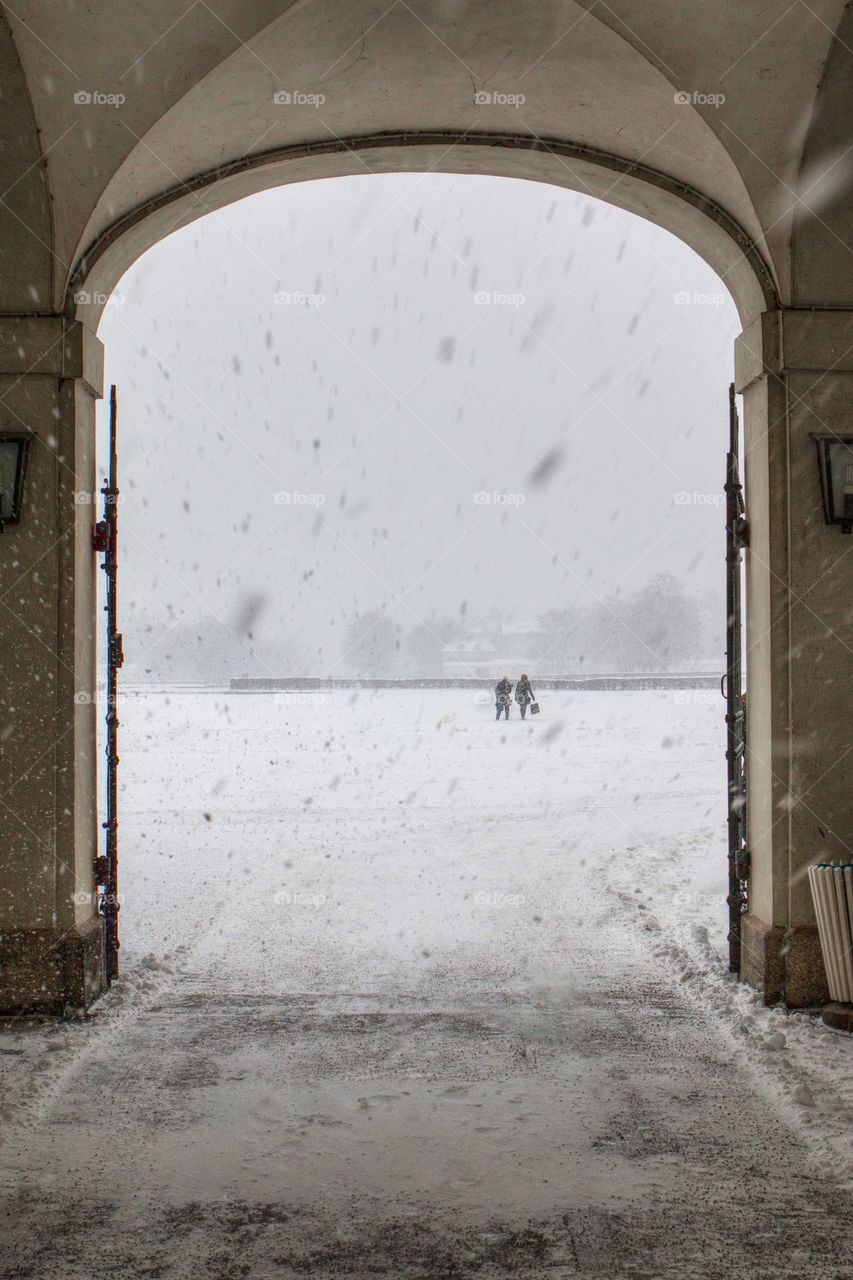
(51, 938)
(795, 370)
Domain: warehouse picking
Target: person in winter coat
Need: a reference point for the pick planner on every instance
(503, 697)
(524, 695)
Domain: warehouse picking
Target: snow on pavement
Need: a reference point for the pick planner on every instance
(409, 992)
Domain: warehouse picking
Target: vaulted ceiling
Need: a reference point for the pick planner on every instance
(726, 120)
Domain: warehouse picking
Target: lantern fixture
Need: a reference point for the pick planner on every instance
(835, 460)
(13, 461)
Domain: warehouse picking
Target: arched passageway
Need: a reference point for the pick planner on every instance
(121, 133)
(731, 131)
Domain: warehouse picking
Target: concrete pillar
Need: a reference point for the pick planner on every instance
(51, 939)
(795, 370)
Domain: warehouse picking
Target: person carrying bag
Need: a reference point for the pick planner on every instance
(525, 697)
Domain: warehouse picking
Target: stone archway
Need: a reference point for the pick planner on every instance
(610, 118)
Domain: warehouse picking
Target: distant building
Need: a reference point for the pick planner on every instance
(497, 649)
(521, 641)
(469, 658)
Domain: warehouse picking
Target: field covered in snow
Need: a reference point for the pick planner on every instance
(397, 820)
(300, 841)
(410, 992)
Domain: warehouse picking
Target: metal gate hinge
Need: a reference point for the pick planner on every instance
(101, 537)
(743, 863)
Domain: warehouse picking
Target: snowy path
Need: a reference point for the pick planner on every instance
(409, 993)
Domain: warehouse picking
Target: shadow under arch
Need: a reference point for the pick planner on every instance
(693, 217)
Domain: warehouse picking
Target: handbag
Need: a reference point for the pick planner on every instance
(534, 708)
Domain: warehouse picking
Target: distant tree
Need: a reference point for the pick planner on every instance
(208, 651)
(604, 638)
(656, 628)
(666, 623)
(372, 645)
(557, 648)
(425, 642)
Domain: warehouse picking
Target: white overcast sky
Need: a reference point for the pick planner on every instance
(588, 392)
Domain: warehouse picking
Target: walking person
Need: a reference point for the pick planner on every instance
(524, 695)
(503, 697)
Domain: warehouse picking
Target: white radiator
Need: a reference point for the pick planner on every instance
(832, 891)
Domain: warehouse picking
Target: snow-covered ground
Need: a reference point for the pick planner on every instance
(300, 792)
(409, 992)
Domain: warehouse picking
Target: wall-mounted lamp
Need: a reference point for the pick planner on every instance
(835, 460)
(13, 462)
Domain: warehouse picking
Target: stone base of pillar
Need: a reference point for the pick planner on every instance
(46, 972)
(784, 964)
(838, 1016)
